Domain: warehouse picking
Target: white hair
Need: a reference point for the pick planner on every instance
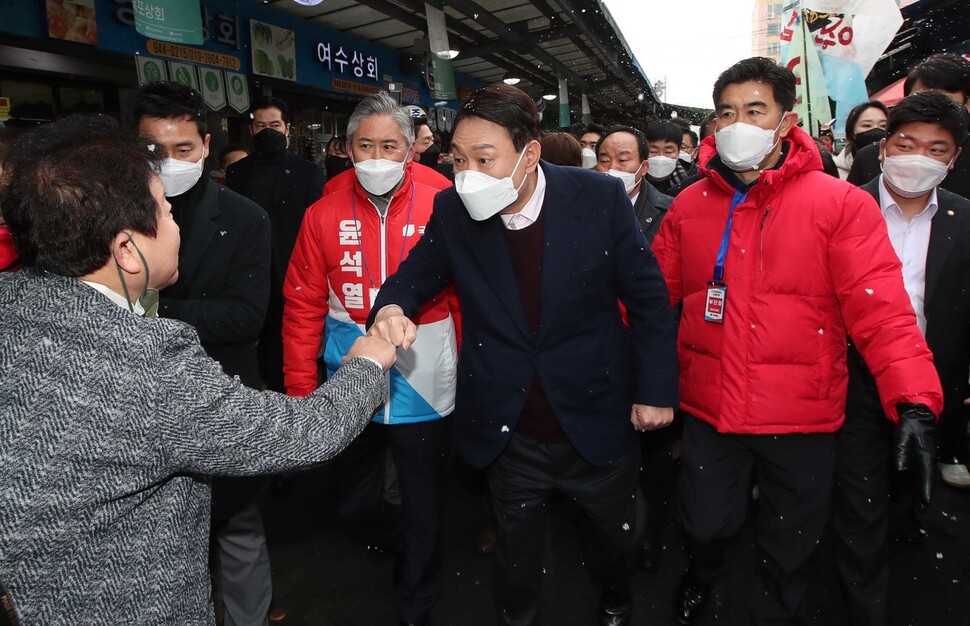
(381, 104)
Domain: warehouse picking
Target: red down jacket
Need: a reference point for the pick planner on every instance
(8, 253)
(809, 262)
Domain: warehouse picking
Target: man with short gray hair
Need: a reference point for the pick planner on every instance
(350, 242)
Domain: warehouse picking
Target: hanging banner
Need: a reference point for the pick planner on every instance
(184, 73)
(177, 21)
(849, 37)
(441, 80)
(150, 69)
(563, 103)
(72, 20)
(811, 96)
(274, 50)
(213, 87)
(237, 91)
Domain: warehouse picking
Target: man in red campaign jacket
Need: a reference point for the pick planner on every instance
(349, 243)
(774, 264)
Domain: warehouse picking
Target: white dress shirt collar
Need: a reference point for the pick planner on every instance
(530, 212)
(911, 241)
(115, 297)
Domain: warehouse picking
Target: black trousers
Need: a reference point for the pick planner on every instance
(419, 451)
(868, 500)
(521, 482)
(656, 476)
(794, 478)
(270, 349)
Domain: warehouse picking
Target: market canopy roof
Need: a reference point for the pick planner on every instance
(538, 41)
(930, 26)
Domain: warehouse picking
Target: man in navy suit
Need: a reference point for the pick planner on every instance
(549, 376)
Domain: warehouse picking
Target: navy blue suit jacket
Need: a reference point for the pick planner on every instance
(592, 367)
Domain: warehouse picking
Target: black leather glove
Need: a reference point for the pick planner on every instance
(916, 443)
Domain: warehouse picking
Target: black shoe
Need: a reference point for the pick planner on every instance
(618, 615)
(690, 599)
(650, 556)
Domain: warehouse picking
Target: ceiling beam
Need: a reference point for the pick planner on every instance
(534, 37)
(484, 17)
(626, 71)
(410, 12)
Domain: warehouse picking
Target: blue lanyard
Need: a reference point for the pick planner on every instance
(738, 198)
(360, 246)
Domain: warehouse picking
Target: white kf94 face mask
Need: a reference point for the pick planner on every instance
(180, 176)
(742, 147)
(629, 179)
(378, 176)
(589, 159)
(912, 175)
(661, 166)
(484, 195)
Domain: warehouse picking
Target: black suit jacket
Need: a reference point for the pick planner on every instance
(223, 282)
(650, 208)
(592, 367)
(299, 184)
(866, 167)
(947, 296)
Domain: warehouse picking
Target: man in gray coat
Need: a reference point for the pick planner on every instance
(111, 416)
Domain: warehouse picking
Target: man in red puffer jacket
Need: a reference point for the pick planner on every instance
(774, 264)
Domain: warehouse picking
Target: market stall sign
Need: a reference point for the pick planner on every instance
(350, 61)
(194, 55)
(176, 21)
(349, 85)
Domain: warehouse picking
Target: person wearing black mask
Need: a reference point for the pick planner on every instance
(337, 161)
(865, 125)
(284, 185)
(426, 150)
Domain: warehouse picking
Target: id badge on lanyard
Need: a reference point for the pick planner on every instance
(716, 299)
(716, 302)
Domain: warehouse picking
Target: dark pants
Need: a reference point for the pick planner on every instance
(862, 508)
(794, 478)
(521, 482)
(270, 349)
(656, 477)
(419, 452)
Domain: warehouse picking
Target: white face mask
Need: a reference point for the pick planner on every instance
(484, 195)
(685, 156)
(912, 175)
(660, 167)
(378, 176)
(589, 159)
(629, 180)
(742, 147)
(180, 176)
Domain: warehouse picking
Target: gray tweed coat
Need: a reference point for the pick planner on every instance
(108, 422)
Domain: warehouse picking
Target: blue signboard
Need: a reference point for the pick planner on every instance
(324, 58)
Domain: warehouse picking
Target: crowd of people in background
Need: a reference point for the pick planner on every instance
(771, 319)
